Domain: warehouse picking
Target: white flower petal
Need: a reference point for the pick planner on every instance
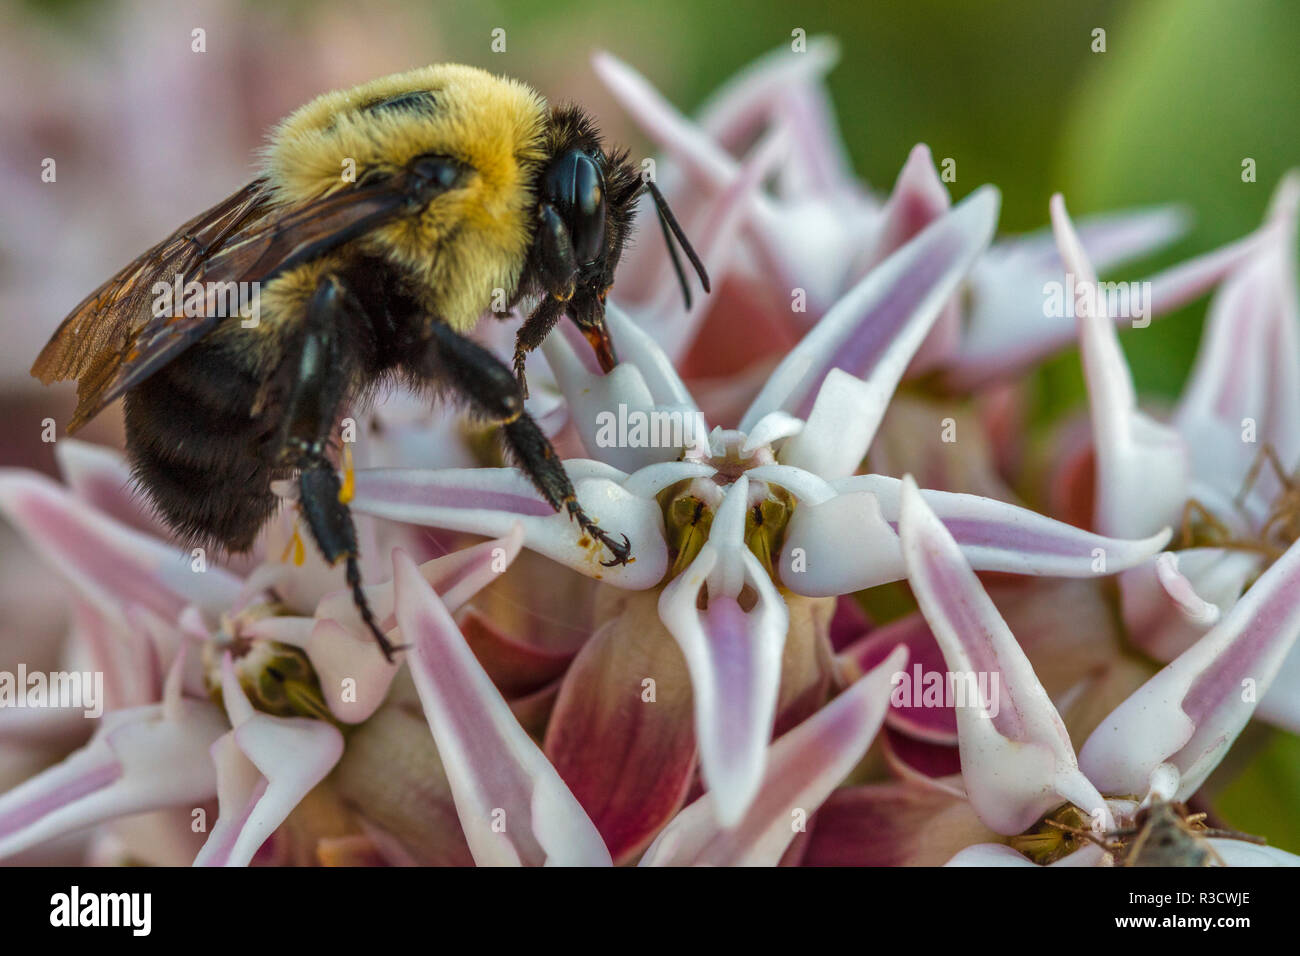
(1143, 470)
(1017, 759)
(1241, 853)
(1190, 713)
(490, 500)
(266, 765)
(874, 330)
(989, 854)
(513, 806)
(140, 759)
(803, 766)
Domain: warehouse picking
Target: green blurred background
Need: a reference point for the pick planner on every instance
(1185, 90)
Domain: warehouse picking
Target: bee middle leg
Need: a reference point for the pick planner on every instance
(320, 385)
(482, 380)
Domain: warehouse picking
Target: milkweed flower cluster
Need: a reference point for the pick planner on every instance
(826, 549)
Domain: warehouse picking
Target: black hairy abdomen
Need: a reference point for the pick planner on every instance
(206, 434)
(198, 451)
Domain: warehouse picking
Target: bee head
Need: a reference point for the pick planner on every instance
(586, 203)
(586, 200)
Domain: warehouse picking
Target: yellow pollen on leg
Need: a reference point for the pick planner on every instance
(349, 476)
(296, 548)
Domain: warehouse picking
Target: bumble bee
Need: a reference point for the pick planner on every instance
(382, 223)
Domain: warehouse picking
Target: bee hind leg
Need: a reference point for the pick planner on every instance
(330, 522)
(488, 386)
(320, 385)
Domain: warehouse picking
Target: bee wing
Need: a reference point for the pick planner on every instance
(112, 341)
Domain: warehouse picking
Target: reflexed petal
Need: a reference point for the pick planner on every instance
(140, 759)
(919, 198)
(1110, 239)
(935, 766)
(513, 806)
(734, 656)
(1246, 368)
(102, 477)
(1190, 713)
(1142, 466)
(491, 500)
(911, 717)
(803, 767)
(663, 123)
(892, 824)
(874, 330)
(266, 765)
(1006, 329)
(111, 564)
(621, 733)
(714, 228)
(341, 648)
(743, 104)
(1017, 760)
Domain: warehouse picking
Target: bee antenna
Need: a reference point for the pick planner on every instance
(671, 229)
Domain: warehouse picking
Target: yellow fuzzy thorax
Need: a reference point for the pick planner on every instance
(467, 242)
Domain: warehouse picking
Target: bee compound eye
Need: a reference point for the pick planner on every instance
(575, 186)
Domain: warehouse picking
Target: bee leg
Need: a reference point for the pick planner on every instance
(533, 333)
(482, 380)
(330, 521)
(319, 387)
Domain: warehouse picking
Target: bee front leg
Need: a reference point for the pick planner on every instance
(322, 379)
(533, 333)
(490, 389)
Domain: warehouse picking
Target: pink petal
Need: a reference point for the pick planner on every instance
(1006, 329)
(1142, 466)
(1017, 760)
(874, 330)
(734, 656)
(102, 478)
(1171, 602)
(620, 734)
(1190, 713)
(803, 767)
(111, 564)
(341, 648)
(513, 806)
(1246, 366)
(265, 767)
(140, 759)
(907, 715)
(919, 198)
(891, 824)
(491, 500)
(743, 105)
(847, 541)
